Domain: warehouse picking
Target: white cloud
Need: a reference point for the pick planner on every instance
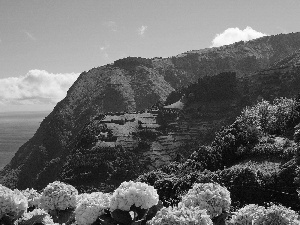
(30, 35)
(36, 87)
(142, 30)
(232, 35)
(104, 53)
(104, 47)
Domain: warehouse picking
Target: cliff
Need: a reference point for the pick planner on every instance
(134, 84)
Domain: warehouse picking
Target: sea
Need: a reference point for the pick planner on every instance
(16, 128)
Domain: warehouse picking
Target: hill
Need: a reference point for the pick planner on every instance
(251, 70)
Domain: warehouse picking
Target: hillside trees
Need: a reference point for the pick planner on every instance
(253, 157)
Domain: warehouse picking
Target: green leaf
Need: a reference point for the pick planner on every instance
(106, 219)
(122, 216)
(62, 216)
(153, 210)
(140, 212)
(37, 219)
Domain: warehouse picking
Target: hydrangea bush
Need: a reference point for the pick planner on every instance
(35, 216)
(134, 203)
(90, 207)
(181, 215)
(245, 215)
(212, 197)
(133, 193)
(58, 196)
(33, 197)
(276, 215)
(12, 203)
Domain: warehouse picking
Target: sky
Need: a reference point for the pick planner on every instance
(46, 44)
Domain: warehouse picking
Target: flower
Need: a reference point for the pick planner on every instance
(276, 215)
(58, 196)
(133, 193)
(33, 197)
(90, 207)
(245, 215)
(181, 215)
(212, 197)
(36, 212)
(12, 203)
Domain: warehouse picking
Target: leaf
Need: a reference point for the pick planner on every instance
(122, 216)
(6, 220)
(140, 212)
(66, 216)
(62, 216)
(220, 220)
(153, 210)
(105, 220)
(37, 219)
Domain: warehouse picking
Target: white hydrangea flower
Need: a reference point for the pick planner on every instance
(276, 215)
(58, 196)
(133, 193)
(91, 206)
(36, 212)
(245, 215)
(33, 197)
(12, 202)
(181, 215)
(81, 197)
(212, 197)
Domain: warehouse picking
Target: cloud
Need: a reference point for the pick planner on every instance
(111, 25)
(142, 30)
(103, 50)
(36, 87)
(232, 35)
(30, 35)
(104, 47)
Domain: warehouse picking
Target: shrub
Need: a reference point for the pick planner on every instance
(181, 215)
(12, 203)
(151, 177)
(276, 215)
(243, 184)
(37, 216)
(245, 215)
(276, 118)
(212, 197)
(132, 196)
(205, 157)
(90, 207)
(33, 197)
(133, 193)
(229, 139)
(58, 196)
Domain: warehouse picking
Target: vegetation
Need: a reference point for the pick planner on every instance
(130, 63)
(134, 203)
(100, 168)
(255, 157)
(209, 88)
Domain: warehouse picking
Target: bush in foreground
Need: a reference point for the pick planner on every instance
(12, 203)
(136, 203)
(272, 215)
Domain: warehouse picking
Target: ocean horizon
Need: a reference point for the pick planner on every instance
(16, 128)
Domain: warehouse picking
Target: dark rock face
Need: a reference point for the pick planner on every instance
(133, 84)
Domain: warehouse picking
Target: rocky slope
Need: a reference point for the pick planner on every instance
(133, 84)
